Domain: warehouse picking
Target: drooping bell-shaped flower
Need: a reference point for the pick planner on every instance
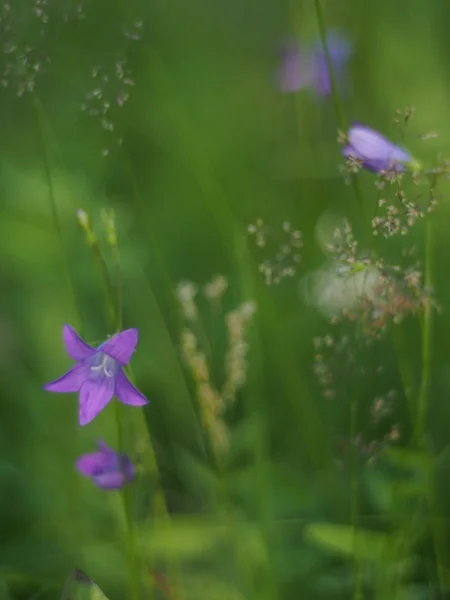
(307, 68)
(98, 374)
(375, 152)
(107, 468)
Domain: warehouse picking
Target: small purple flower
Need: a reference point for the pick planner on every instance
(307, 67)
(109, 469)
(98, 374)
(375, 151)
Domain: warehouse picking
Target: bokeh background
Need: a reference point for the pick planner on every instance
(208, 144)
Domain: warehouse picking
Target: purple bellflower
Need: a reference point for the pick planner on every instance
(306, 68)
(107, 468)
(98, 374)
(375, 151)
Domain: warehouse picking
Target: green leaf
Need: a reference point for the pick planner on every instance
(183, 538)
(343, 539)
(80, 587)
(411, 460)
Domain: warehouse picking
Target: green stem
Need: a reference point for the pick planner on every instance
(427, 337)
(109, 286)
(338, 106)
(115, 311)
(334, 90)
(127, 500)
(438, 532)
(119, 289)
(354, 507)
(253, 393)
(42, 129)
(357, 591)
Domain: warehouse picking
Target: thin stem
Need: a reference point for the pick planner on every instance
(168, 300)
(334, 90)
(115, 318)
(354, 507)
(338, 106)
(427, 337)
(109, 286)
(127, 501)
(42, 128)
(342, 121)
(119, 288)
(253, 393)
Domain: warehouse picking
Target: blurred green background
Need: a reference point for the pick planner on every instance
(208, 146)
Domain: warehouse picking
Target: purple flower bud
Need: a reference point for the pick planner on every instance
(108, 469)
(375, 151)
(304, 68)
(98, 373)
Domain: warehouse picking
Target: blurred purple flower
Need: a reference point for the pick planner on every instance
(375, 151)
(98, 374)
(307, 68)
(109, 469)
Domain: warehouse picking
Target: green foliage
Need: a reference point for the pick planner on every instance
(292, 492)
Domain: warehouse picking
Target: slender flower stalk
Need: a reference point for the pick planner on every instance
(427, 333)
(357, 592)
(42, 130)
(342, 121)
(333, 83)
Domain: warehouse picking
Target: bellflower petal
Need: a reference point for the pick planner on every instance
(339, 49)
(104, 448)
(107, 468)
(304, 67)
(70, 381)
(295, 73)
(76, 348)
(89, 464)
(375, 151)
(121, 346)
(127, 393)
(94, 396)
(97, 374)
(110, 481)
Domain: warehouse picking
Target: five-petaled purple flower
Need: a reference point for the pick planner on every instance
(109, 469)
(375, 151)
(307, 67)
(98, 374)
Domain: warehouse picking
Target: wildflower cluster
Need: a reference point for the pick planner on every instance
(378, 293)
(23, 37)
(237, 322)
(397, 293)
(111, 90)
(337, 361)
(285, 248)
(97, 376)
(329, 353)
(306, 67)
(213, 399)
(368, 451)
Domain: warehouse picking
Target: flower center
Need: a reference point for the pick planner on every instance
(103, 366)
